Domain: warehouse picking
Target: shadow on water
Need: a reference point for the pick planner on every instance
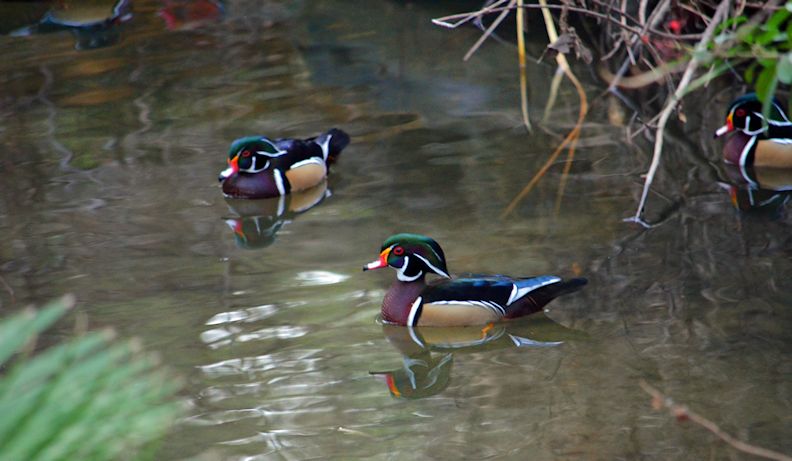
(109, 159)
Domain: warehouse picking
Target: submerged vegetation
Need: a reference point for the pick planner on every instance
(86, 398)
(678, 47)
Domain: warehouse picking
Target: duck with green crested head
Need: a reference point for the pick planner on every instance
(260, 167)
(456, 301)
(757, 141)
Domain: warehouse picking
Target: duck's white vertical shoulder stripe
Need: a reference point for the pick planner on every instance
(744, 156)
(521, 289)
(411, 319)
(279, 181)
(325, 145)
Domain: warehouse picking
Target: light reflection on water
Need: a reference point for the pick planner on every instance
(109, 164)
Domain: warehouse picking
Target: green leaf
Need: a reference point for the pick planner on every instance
(750, 72)
(21, 391)
(765, 88)
(770, 31)
(87, 398)
(16, 331)
(784, 69)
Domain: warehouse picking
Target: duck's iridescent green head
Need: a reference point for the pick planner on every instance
(745, 114)
(412, 255)
(250, 154)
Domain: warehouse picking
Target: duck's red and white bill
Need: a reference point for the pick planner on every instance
(722, 130)
(379, 263)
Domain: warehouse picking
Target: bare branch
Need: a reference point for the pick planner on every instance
(682, 413)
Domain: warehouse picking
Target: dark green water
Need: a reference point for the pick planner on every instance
(108, 167)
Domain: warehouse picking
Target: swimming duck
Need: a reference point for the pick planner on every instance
(754, 143)
(466, 300)
(259, 167)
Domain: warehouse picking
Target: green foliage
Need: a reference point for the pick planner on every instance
(765, 46)
(85, 398)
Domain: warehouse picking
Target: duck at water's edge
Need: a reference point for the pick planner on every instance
(756, 143)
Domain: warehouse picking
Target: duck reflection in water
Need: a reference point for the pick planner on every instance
(257, 222)
(428, 352)
(190, 14)
(758, 190)
(94, 23)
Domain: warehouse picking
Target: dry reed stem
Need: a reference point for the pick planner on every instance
(573, 135)
(555, 84)
(523, 69)
(682, 413)
(672, 103)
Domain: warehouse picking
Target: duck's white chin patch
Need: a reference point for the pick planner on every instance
(404, 277)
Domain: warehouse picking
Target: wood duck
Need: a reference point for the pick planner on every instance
(756, 190)
(93, 23)
(466, 300)
(259, 167)
(756, 143)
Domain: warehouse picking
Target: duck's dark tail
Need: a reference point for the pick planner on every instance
(538, 298)
(332, 142)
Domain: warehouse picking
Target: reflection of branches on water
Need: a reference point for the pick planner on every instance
(672, 102)
(7, 288)
(682, 413)
(51, 124)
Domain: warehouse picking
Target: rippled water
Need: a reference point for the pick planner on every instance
(109, 164)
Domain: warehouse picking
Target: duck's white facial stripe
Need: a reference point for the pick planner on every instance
(254, 169)
(748, 123)
(404, 277)
(431, 266)
(276, 154)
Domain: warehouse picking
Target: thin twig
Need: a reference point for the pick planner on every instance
(682, 413)
(465, 17)
(672, 103)
(489, 31)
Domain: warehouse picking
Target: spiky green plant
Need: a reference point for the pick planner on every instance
(90, 397)
(762, 44)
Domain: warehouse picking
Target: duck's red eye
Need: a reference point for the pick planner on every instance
(740, 112)
(246, 153)
(398, 251)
